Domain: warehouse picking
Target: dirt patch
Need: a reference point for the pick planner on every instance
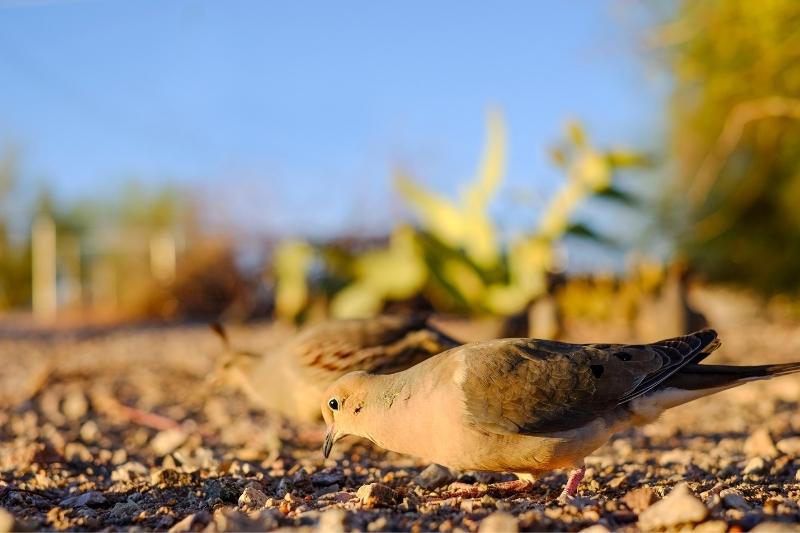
(124, 430)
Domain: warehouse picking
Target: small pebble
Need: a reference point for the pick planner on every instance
(332, 521)
(760, 444)
(499, 522)
(376, 495)
(734, 500)
(252, 498)
(91, 498)
(6, 521)
(790, 446)
(77, 452)
(756, 465)
(167, 441)
(596, 528)
(434, 476)
(75, 405)
(640, 499)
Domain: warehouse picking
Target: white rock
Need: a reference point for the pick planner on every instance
(596, 528)
(129, 471)
(6, 521)
(680, 506)
(756, 465)
(252, 498)
(184, 525)
(332, 521)
(760, 444)
(790, 446)
(712, 526)
(75, 405)
(376, 495)
(499, 522)
(167, 441)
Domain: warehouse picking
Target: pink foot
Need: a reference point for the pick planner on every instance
(571, 488)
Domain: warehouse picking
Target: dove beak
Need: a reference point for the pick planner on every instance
(330, 438)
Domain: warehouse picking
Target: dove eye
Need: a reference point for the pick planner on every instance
(333, 403)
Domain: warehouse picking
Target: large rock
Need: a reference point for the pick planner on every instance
(680, 507)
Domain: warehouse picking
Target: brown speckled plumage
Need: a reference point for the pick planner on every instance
(291, 378)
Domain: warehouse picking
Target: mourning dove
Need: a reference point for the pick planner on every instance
(291, 379)
(527, 405)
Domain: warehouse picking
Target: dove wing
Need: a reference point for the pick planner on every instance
(384, 344)
(530, 386)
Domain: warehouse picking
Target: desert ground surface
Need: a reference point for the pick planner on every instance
(124, 429)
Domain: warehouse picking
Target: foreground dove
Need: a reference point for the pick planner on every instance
(292, 378)
(527, 405)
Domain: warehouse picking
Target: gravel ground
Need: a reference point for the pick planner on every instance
(122, 430)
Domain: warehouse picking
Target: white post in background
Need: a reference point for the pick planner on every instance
(162, 256)
(43, 244)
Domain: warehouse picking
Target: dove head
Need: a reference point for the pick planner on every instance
(344, 405)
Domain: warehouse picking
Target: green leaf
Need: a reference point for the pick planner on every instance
(618, 195)
(576, 134)
(579, 229)
(625, 158)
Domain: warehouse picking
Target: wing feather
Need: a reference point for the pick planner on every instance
(530, 386)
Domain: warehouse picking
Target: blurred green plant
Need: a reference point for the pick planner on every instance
(736, 139)
(454, 259)
(397, 272)
(465, 224)
(291, 262)
(15, 258)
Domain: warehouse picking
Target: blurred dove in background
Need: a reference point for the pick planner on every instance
(292, 378)
(527, 405)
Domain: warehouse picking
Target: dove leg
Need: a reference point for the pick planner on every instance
(571, 488)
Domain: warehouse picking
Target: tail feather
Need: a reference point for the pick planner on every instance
(695, 381)
(698, 377)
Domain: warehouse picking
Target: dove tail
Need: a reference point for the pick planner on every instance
(700, 377)
(444, 339)
(695, 381)
(220, 331)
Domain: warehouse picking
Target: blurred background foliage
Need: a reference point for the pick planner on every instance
(735, 140)
(728, 189)
(454, 259)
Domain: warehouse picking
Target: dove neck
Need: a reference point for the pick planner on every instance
(393, 401)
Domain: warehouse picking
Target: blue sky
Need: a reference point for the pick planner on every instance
(291, 115)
